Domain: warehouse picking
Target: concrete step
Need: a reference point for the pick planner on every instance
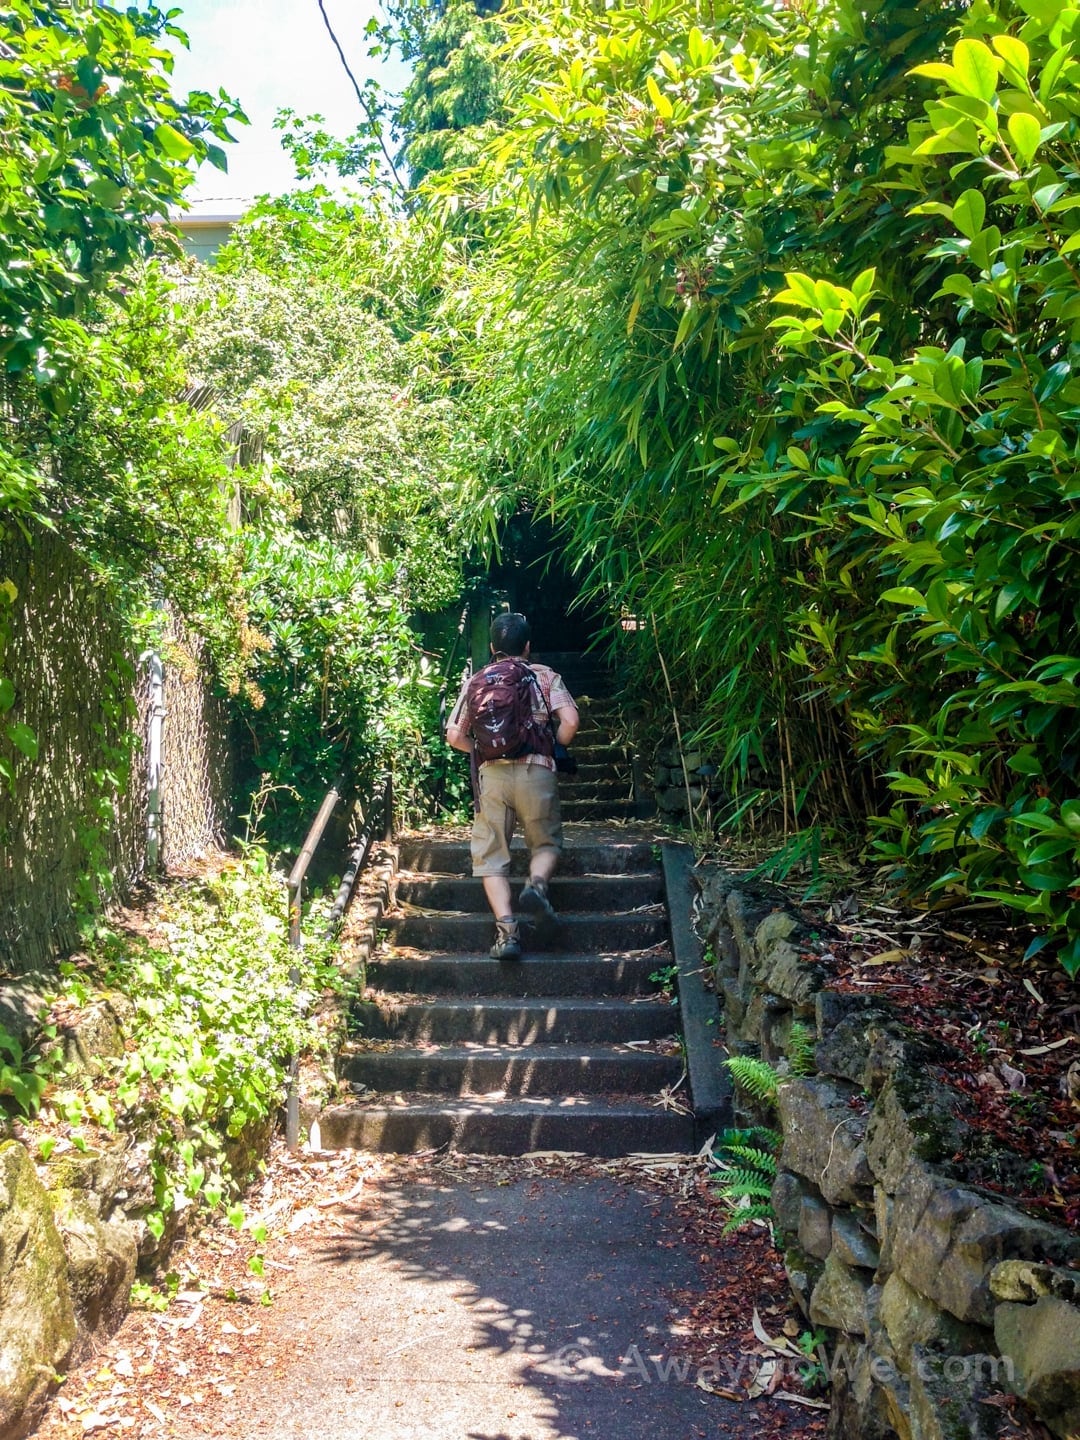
(568, 892)
(595, 728)
(573, 788)
(591, 772)
(597, 747)
(455, 930)
(475, 973)
(484, 1126)
(581, 857)
(605, 762)
(510, 1069)
(598, 809)
(496, 1020)
(589, 690)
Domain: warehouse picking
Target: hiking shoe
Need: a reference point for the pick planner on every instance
(507, 941)
(535, 903)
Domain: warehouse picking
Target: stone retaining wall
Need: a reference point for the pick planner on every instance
(70, 1242)
(936, 1297)
(72, 1236)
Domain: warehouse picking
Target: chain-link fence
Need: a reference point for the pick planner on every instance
(72, 816)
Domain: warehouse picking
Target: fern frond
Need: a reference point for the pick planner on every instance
(742, 1175)
(757, 1077)
(766, 1139)
(752, 1135)
(745, 1215)
(738, 1183)
(746, 1171)
(801, 1049)
(755, 1159)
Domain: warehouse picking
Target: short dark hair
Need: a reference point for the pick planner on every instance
(510, 634)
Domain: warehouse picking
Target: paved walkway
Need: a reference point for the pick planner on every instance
(455, 1299)
(536, 1310)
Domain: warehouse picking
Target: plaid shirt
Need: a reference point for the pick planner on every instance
(556, 697)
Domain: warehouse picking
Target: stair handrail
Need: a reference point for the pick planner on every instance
(380, 811)
(379, 807)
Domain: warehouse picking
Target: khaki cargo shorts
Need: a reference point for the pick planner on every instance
(510, 791)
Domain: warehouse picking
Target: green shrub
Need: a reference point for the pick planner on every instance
(340, 685)
(785, 339)
(215, 1020)
(957, 493)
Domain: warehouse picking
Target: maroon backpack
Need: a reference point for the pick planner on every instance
(499, 704)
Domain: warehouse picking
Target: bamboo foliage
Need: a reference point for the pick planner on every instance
(778, 324)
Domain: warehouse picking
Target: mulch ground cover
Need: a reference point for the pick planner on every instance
(1003, 1035)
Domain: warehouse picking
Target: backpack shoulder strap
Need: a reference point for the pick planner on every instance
(539, 689)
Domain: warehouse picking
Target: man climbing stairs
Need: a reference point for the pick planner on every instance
(572, 1048)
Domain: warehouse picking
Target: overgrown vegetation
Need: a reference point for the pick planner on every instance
(308, 332)
(262, 448)
(94, 148)
(769, 309)
(209, 1017)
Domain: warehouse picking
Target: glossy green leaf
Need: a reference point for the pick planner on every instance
(175, 145)
(24, 739)
(1015, 54)
(1026, 134)
(904, 595)
(976, 70)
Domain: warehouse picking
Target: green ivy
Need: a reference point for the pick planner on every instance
(215, 1018)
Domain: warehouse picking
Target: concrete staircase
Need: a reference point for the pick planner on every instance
(570, 1048)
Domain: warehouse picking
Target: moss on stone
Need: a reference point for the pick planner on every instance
(37, 1318)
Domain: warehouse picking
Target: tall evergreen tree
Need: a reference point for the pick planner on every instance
(456, 98)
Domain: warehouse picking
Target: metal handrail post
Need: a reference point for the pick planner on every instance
(296, 905)
(388, 807)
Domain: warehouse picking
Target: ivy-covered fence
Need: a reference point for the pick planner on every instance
(73, 807)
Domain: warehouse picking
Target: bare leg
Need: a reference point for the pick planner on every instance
(497, 890)
(542, 865)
